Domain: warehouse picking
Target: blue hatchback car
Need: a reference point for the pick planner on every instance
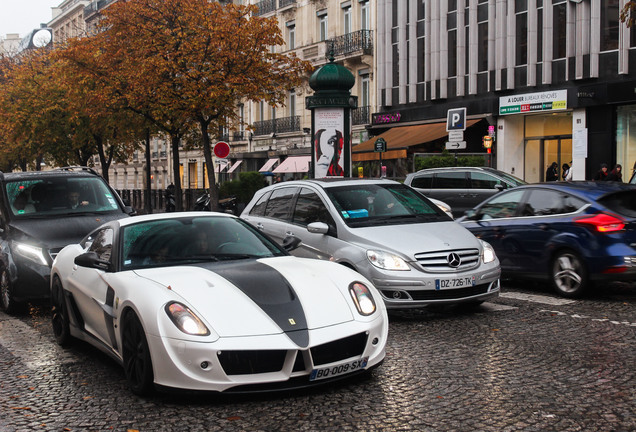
(570, 233)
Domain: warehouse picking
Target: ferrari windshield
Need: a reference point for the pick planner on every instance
(186, 240)
(369, 204)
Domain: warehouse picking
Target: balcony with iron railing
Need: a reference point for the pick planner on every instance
(95, 7)
(354, 43)
(266, 6)
(276, 126)
(361, 115)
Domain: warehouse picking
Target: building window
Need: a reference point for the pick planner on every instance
(346, 19)
(322, 25)
(364, 90)
(292, 103)
(451, 25)
(364, 15)
(558, 29)
(291, 35)
(482, 36)
(521, 10)
(609, 26)
(539, 31)
(261, 110)
(241, 120)
(421, 39)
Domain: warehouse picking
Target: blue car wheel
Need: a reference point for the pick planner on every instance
(569, 275)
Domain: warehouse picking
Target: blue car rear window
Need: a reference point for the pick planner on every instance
(623, 203)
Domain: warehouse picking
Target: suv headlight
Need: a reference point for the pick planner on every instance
(30, 252)
(489, 253)
(386, 260)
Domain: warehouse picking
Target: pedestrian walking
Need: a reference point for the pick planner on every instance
(616, 174)
(565, 171)
(601, 175)
(552, 173)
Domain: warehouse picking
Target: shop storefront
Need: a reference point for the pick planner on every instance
(626, 139)
(534, 130)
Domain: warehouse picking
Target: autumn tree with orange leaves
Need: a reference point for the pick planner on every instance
(628, 13)
(47, 113)
(31, 114)
(186, 63)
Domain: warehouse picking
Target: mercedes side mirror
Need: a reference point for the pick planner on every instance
(318, 228)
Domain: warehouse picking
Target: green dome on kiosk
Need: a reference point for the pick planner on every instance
(332, 77)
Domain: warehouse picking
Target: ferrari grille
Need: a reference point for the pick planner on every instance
(246, 362)
(448, 261)
(251, 362)
(352, 346)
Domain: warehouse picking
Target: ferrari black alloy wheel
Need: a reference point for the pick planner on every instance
(59, 314)
(137, 362)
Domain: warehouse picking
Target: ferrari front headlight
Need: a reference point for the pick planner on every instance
(489, 253)
(186, 320)
(362, 298)
(386, 260)
(33, 253)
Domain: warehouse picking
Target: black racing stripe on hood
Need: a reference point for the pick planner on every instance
(272, 293)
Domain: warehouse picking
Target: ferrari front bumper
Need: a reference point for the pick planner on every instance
(259, 361)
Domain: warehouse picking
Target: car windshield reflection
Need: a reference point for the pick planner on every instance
(190, 240)
(60, 197)
(377, 204)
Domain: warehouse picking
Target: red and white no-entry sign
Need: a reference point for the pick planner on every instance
(222, 150)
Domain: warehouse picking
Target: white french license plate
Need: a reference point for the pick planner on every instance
(340, 369)
(467, 281)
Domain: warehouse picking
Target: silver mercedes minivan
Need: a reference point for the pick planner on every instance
(412, 251)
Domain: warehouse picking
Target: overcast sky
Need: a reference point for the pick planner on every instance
(22, 16)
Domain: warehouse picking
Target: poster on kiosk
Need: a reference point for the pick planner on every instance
(329, 142)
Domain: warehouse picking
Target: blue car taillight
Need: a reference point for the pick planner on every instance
(602, 222)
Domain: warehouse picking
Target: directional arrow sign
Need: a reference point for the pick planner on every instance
(455, 145)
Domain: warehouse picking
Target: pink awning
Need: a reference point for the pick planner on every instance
(220, 165)
(294, 164)
(235, 166)
(268, 165)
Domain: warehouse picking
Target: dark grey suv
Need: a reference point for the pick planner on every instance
(461, 187)
(40, 213)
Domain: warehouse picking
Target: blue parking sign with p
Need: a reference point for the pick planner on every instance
(456, 119)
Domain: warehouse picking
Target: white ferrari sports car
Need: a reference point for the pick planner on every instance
(204, 301)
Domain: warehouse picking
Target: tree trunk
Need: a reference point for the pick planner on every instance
(207, 153)
(102, 156)
(147, 201)
(175, 140)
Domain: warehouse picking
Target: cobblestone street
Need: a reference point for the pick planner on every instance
(528, 361)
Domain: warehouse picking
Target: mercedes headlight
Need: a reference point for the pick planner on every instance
(489, 253)
(186, 320)
(386, 260)
(30, 252)
(362, 298)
